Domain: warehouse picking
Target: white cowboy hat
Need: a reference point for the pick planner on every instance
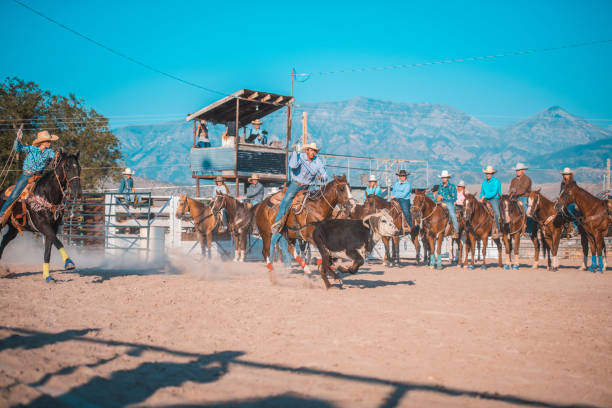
(253, 177)
(218, 178)
(567, 171)
(520, 166)
(461, 184)
(128, 171)
(257, 122)
(489, 170)
(372, 178)
(312, 146)
(444, 174)
(44, 136)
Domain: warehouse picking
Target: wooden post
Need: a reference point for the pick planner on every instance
(236, 138)
(608, 175)
(194, 133)
(304, 128)
(197, 186)
(288, 139)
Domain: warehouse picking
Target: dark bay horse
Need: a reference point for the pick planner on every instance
(44, 209)
(239, 221)
(204, 220)
(595, 220)
(303, 212)
(434, 221)
(374, 204)
(513, 223)
(478, 224)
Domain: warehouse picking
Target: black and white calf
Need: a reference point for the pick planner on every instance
(352, 239)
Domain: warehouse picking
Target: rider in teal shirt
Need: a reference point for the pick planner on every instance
(491, 191)
(373, 187)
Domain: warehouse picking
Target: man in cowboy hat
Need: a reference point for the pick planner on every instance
(202, 134)
(568, 178)
(491, 191)
(373, 187)
(39, 154)
(460, 194)
(304, 168)
(520, 187)
(127, 185)
(447, 192)
(257, 136)
(221, 188)
(255, 192)
(401, 193)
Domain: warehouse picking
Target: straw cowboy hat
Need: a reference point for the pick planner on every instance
(312, 146)
(444, 174)
(567, 171)
(128, 171)
(218, 178)
(461, 184)
(520, 166)
(44, 136)
(253, 177)
(372, 178)
(402, 173)
(257, 122)
(489, 170)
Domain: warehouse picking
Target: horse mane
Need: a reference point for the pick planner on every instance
(572, 183)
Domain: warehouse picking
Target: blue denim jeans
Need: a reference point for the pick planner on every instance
(405, 205)
(452, 214)
(202, 144)
(495, 204)
(530, 222)
(290, 194)
(21, 184)
(575, 212)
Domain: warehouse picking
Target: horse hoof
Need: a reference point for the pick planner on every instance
(49, 279)
(507, 267)
(69, 265)
(515, 267)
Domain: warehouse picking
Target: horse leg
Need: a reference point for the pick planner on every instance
(432, 255)
(508, 247)
(499, 251)
(236, 239)
(584, 242)
(485, 240)
(536, 247)
(417, 247)
(517, 247)
(438, 241)
(396, 250)
(593, 245)
(8, 237)
(298, 258)
(202, 240)
(68, 263)
(209, 242)
(387, 258)
(599, 240)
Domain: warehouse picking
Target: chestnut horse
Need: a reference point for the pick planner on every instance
(203, 217)
(595, 220)
(434, 221)
(478, 224)
(305, 212)
(513, 223)
(239, 221)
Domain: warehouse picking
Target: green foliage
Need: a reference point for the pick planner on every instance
(78, 127)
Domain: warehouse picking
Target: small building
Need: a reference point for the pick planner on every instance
(238, 162)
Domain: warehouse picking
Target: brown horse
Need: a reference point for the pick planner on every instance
(551, 223)
(239, 221)
(303, 211)
(595, 220)
(204, 220)
(513, 223)
(374, 204)
(478, 224)
(434, 221)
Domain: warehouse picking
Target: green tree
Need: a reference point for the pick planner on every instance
(78, 127)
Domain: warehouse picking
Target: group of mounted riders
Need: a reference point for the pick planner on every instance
(447, 210)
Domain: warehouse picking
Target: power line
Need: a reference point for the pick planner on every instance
(305, 76)
(118, 53)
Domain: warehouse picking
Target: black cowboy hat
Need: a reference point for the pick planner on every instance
(402, 173)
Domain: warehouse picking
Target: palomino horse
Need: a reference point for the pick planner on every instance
(204, 220)
(44, 209)
(513, 222)
(373, 204)
(550, 223)
(434, 221)
(239, 221)
(478, 224)
(595, 220)
(305, 212)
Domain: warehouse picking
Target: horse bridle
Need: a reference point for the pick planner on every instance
(68, 180)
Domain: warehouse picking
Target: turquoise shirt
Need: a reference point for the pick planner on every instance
(304, 171)
(36, 160)
(490, 188)
(374, 190)
(401, 190)
(448, 192)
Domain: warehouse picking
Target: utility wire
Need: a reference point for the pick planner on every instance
(118, 53)
(305, 76)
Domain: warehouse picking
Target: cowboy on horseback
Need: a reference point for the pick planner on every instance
(568, 178)
(39, 154)
(373, 187)
(401, 193)
(520, 187)
(491, 191)
(304, 168)
(447, 192)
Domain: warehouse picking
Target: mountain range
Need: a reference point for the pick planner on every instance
(444, 136)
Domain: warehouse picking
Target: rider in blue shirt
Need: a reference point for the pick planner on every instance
(447, 192)
(491, 191)
(401, 192)
(373, 187)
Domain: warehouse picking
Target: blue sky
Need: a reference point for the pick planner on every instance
(254, 44)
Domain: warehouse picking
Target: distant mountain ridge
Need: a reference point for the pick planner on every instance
(445, 136)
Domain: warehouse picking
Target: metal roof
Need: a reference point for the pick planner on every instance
(253, 105)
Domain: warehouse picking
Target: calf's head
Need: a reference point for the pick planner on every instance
(381, 223)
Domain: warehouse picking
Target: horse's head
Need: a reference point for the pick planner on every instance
(340, 186)
(567, 196)
(533, 201)
(181, 208)
(504, 208)
(468, 206)
(68, 172)
(418, 202)
(219, 202)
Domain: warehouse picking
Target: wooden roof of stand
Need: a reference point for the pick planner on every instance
(253, 105)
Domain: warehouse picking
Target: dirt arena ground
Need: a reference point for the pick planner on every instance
(185, 334)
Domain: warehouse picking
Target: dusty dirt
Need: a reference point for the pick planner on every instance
(223, 335)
